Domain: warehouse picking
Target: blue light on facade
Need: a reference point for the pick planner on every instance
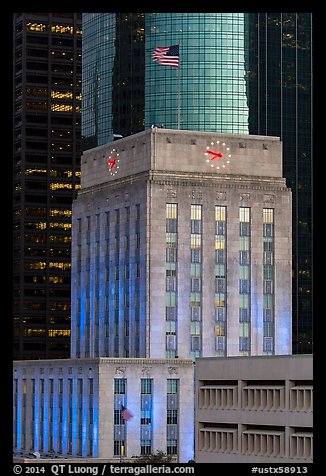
(36, 416)
(65, 406)
(85, 426)
(45, 418)
(55, 423)
(95, 424)
(19, 415)
(82, 317)
(74, 423)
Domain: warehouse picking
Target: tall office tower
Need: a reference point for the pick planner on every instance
(47, 117)
(113, 76)
(280, 104)
(207, 92)
(238, 73)
(181, 247)
(126, 91)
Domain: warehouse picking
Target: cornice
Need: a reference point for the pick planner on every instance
(186, 179)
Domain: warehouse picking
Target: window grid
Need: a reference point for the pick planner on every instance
(126, 343)
(244, 280)
(268, 281)
(146, 416)
(137, 281)
(119, 434)
(172, 416)
(196, 225)
(220, 281)
(171, 235)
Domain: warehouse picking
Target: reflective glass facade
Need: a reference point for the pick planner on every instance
(125, 91)
(208, 90)
(113, 76)
(280, 104)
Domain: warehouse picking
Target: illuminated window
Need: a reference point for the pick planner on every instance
(268, 281)
(220, 280)
(195, 278)
(119, 423)
(58, 107)
(146, 416)
(171, 239)
(62, 29)
(244, 280)
(60, 265)
(62, 95)
(37, 26)
(60, 213)
(172, 416)
(59, 332)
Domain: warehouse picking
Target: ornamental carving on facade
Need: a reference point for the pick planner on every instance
(244, 196)
(220, 196)
(269, 198)
(146, 370)
(196, 194)
(172, 370)
(120, 370)
(171, 193)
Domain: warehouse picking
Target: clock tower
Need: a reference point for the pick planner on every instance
(182, 247)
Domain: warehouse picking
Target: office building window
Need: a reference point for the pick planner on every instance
(220, 280)
(119, 433)
(171, 244)
(146, 417)
(244, 280)
(268, 281)
(137, 282)
(172, 416)
(196, 227)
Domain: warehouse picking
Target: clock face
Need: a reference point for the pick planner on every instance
(218, 156)
(113, 162)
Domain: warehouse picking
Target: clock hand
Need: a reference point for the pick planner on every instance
(216, 155)
(111, 163)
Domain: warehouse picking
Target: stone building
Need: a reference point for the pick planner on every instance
(254, 409)
(181, 248)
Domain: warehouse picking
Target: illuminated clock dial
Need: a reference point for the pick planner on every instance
(113, 162)
(218, 155)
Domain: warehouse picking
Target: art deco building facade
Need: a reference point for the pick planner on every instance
(181, 247)
(46, 124)
(73, 407)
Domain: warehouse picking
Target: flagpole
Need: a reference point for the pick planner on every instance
(124, 436)
(178, 99)
(170, 56)
(178, 92)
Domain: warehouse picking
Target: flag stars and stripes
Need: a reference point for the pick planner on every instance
(125, 413)
(167, 55)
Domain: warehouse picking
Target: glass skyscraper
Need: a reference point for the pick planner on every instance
(125, 91)
(238, 73)
(280, 104)
(46, 168)
(113, 76)
(208, 90)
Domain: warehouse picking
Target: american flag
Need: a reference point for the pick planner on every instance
(125, 413)
(167, 55)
